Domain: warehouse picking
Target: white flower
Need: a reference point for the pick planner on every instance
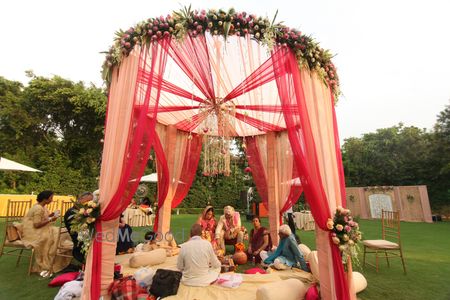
(89, 210)
(90, 220)
(82, 210)
(335, 240)
(345, 237)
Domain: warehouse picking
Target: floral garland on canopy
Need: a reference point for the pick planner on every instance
(226, 23)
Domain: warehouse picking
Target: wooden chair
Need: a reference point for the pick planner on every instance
(15, 212)
(63, 250)
(53, 206)
(389, 246)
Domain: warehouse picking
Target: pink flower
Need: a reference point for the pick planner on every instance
(351, 223)
(346, 219)
(347, 228)
(339, 227)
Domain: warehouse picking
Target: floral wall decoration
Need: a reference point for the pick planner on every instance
(225, 23)
(379, 189)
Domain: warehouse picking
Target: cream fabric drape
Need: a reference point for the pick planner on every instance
(174, 146)
(319, 105)
(119, 112)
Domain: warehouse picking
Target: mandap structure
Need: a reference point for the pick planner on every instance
(196, 79)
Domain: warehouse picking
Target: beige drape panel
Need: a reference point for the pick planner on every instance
(174, 144)
(319, 105)
(119, 112)
(283, 176)
(285, 162)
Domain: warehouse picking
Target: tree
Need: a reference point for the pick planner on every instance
(54, 125)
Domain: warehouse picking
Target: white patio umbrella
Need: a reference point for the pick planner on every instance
(150, 178)
(6, 164)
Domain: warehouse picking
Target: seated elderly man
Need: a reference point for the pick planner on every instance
(287, 254)
(197, 260)
(229, 228)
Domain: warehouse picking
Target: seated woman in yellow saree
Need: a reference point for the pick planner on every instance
(39, 232)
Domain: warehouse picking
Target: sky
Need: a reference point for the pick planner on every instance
(393, 57)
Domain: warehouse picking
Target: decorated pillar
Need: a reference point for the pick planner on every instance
(273, 188)
(169, 150)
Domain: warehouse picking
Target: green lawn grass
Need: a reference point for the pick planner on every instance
(426, 250)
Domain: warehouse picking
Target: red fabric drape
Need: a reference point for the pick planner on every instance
(190, 164)
(252, 152)
(291, 93)
(163, 177)
(193, 58)
(140, 139)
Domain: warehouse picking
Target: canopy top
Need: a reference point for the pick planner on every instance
(220, 78)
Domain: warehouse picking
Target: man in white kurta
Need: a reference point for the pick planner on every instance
(197, 260)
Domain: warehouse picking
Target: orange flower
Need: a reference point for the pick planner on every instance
(239, 247)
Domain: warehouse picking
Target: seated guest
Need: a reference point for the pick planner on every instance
(154, 242)
(197, 260)
(208, 223)
(229, 228)
(287, 254)
(146, 206)
(259, 240)
(39, 232)
(124, 242)
(68, 216)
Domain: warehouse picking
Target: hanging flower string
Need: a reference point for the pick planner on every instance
(225, 23)
(345, 234)
(83, 223)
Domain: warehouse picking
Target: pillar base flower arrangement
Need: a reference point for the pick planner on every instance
(83, 223)
(345, 234)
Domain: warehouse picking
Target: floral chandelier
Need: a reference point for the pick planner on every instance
(218, 131)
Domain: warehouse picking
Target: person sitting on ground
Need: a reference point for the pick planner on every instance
(260, 240)
(208, 223)
(155, 241)
(39, 233)
(146, 206)
(124, 242)
(68, 216)
(287, 254)
(197, 260)
(229, 228)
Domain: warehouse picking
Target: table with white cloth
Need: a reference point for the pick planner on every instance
(304, 220)
(136, 217)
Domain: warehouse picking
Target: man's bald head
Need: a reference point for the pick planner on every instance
(196, 230)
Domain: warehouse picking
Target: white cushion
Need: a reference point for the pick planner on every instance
(314, 263)
(381, 244)
(304, 250)
(359, 282)
(289, 289)
(143, 259)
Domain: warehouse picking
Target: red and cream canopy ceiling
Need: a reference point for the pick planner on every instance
(209, 75)
(219, 69)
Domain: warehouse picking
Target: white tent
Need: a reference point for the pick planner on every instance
(150, 178)
(6, 164)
